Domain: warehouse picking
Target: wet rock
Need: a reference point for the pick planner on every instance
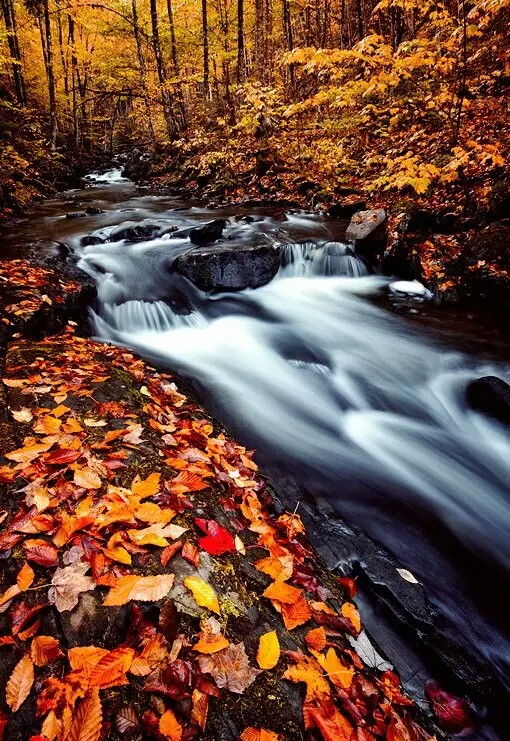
(428, 221)
(93, 210)
(76, 215)
(89, 624)
(138, 165)
(90, 240)
(368, 229)
(490, 395)
(134, 232)
(491, 245)
(499, 201)
(229, 268)
(210, 232)
(345, 209)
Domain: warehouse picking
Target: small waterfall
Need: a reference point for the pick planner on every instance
(310, 260)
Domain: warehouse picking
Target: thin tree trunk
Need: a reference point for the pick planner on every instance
(12, 40)
(50, 72)
(160, 66)
(240, 41)
(175, 62)
(143, 71)
(205, 46)
(74, 76)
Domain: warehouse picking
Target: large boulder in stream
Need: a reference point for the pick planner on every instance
(228, 268)
(368, 230)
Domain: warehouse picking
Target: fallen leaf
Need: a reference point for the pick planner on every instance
(111, 669)
(68, 583)
(268, 652)
(316, 686)
(282, 592)
(200, 707)
(350, 611)
(146, 487)
(25, 577)
(22, 415)
(47, 425)
(87, 478)
(41, 552)
(296, 614)
(407, 576)
(277, 568)
(20, 683)
(258, 734)
(316, 639)
(218, 540)
(44, 649)
(142, 588)
(336, 671)
(87, 719)
(204, 594)
(170, 727)
(127, 721)
(230, 668)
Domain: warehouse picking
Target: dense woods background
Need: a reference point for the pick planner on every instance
(400, 95)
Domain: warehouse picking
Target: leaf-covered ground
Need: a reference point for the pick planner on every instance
(151, 589)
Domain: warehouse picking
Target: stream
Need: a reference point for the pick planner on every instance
(351, 388)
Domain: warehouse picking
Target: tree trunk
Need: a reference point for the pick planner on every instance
(143, 71)
(240, 41)
(160, 66)
(14, 50)
(205, 46)
(50, 72)
(175, 62)
(74, 77)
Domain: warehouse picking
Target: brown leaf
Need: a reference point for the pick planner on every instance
(19, 684)
(68, 583)
(230, 668)
(127, 721)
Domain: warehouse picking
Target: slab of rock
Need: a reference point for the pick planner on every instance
(368, 228)
(133, 232)
(229, 268)
(490, 395)
(210, 232)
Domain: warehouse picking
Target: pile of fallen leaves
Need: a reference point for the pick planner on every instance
(27, 288)
(79, 520)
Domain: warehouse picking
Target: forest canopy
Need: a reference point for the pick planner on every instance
(405, 95)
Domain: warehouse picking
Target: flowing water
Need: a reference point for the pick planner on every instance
(322, 373)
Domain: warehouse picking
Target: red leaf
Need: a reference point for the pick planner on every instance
(62, 455)
(169, 552)
(218, 540)
(42, 553)
(349, 585)
(452, 712)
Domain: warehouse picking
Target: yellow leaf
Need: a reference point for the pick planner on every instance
(340, 674)
(87, 478)
(350, 611)
(87, 719)
(142, 588)
(204, 594)
(47, 425)
(269, 650)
